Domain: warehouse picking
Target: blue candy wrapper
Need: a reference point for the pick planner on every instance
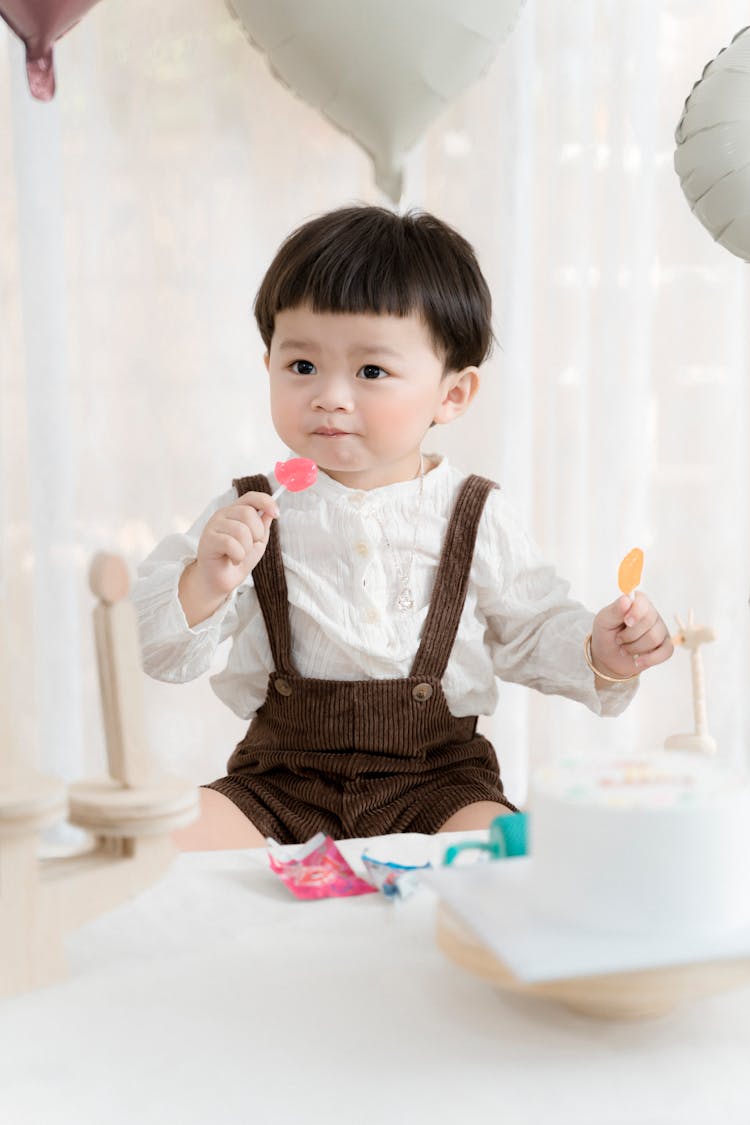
(394, 880)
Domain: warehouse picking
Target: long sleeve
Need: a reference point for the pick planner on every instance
(170, 649)
(536, 630)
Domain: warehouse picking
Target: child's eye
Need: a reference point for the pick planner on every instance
(302, 367)
(370, 371)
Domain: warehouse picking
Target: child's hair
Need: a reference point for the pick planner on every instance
(364, 259)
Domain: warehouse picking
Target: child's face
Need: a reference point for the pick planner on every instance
(356, 393)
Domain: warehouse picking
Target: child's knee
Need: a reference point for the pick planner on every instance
(477, 815)
(220, 825)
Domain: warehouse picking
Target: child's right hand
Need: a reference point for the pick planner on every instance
(233, 543)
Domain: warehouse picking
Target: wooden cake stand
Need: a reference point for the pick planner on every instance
(643, 994)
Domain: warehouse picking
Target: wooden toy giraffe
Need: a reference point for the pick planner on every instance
(129, 815)
(691, 637)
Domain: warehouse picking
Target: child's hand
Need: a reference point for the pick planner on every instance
(628, 636)
(233, 542)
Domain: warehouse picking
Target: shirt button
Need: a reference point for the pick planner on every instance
(282, 686)
(362, 549)
(356, 498)
(422, 692)
(372, 616)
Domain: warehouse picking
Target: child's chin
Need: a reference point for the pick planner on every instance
(337, 457)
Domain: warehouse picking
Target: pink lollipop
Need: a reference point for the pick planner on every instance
(296, 474)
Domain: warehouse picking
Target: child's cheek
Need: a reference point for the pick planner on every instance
(282, 415)
(399, 417)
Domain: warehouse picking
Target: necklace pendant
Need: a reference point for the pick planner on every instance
(405, 601)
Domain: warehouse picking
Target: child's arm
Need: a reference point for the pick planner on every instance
(535, 630)
(173, 649)
(231, 545)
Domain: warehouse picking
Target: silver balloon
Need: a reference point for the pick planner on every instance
(712, 157)
(380, 70)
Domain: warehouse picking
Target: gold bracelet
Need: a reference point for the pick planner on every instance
(601, 675)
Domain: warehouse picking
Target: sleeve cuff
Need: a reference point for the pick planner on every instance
(614, 698)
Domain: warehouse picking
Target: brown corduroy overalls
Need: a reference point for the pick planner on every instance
(363, 757)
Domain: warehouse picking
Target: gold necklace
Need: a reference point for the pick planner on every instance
(405, 597)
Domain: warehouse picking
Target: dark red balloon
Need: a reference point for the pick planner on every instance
(40, 23)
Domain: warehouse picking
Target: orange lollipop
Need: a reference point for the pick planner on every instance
(629, 574)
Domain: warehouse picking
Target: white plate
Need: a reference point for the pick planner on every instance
(492, 899)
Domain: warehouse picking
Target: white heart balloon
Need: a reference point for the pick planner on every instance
(713, 147)
(381, 70)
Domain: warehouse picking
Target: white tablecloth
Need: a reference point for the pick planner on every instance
(215, 997)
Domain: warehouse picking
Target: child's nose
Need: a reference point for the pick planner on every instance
(333, 394)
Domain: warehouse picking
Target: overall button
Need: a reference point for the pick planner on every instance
(422, 692)
(282, 686)
(362, 549)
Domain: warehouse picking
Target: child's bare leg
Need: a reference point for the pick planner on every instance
(477, 815)
(220, 825)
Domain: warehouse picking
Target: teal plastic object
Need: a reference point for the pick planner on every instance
(507, 838)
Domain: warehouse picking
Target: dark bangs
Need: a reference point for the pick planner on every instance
(369, 260)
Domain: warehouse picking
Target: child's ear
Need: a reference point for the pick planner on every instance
(267, 360)
(457, 390)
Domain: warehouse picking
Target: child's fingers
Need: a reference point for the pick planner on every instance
(613, 615)
(648, 641)
(655, 656)
(256, 523)
(640, 620)
(641, 610)
(231, 521)
(261, 502)
(631, 614)
(630, 629)
(640, 629)
(245, 533)
(225, 544)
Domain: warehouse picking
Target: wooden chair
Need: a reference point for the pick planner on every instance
(130, 814)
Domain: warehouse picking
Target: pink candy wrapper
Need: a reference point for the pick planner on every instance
(319, 870)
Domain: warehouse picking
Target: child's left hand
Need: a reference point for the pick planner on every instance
(629, 636)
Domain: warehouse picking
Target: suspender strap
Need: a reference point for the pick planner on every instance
(269, 580)
(452, 580)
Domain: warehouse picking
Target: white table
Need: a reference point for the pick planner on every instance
(215, 997)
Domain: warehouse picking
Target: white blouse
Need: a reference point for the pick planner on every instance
(518, 622)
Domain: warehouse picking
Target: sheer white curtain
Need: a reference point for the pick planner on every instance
(139, 212)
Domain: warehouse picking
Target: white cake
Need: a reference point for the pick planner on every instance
(656, 842)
